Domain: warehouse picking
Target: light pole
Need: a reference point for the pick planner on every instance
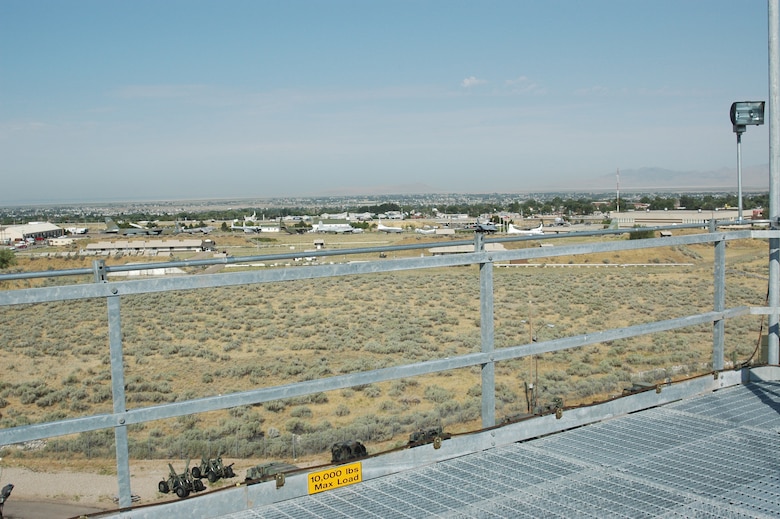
(744, 113)
(533, 333)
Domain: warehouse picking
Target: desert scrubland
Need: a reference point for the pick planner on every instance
(208, 342)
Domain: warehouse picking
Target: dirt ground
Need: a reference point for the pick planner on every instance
(49, 491)
(56, 494)
(44, 510)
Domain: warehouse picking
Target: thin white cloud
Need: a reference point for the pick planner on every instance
(160, 91)
(595, 90)
(523, 85)
(472, 81)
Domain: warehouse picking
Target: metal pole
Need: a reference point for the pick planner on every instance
(487, 332)
(739, 175)
(774, 179)
(118, 393)
(719, 278)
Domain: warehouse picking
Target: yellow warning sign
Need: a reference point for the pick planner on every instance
(335, 477)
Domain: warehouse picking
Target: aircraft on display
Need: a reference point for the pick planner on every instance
(113, 228)
(193, 230)
(296, 229)
(388, 229)
(249, 229)
(338, 228)
(488, 227)
(511, 229)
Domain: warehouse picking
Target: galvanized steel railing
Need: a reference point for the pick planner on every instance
(120, 418)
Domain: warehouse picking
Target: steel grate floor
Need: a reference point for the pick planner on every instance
(714, 456)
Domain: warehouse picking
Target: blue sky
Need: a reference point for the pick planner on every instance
(170, 99)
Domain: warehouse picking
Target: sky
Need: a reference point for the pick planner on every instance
(189, 99)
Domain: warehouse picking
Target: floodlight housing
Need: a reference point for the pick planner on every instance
(745, 113)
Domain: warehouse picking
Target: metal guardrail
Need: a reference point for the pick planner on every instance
(120, 418)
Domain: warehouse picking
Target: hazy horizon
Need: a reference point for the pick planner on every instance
(193, 99)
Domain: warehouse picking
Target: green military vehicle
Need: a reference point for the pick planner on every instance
(181, 484)
(268, 470)
(213, 469)
(433, 435)
(345, 451)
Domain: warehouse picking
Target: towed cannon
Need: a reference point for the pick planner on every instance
(268, 470)
(213, 469)
(433, 435)
(181, 484)
(345, 451)
(5, 493)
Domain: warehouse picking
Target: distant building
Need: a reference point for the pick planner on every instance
(33, 231)
(453, 216)
(149, 247)
(463, 249)
(661, 218)
(446, 231)
(61, 241)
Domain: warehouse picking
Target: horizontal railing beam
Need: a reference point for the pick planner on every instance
(732, 234)
(272, 275)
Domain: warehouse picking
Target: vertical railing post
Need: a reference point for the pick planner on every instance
(487, 335)
(118, 392)
(773, 339)
(99, 271)
(719, 304)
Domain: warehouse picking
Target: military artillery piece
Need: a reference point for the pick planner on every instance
(213, 469)
(182, 484)
(268, 470)
(345, 451)
(5, 493)
(433, 435)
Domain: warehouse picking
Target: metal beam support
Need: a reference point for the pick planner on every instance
(147, 286)
(719, 282)
(773, 15)
(122, 444)
(487, 329)
(99, 271)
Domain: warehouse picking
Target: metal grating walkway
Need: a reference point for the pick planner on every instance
(713, 456)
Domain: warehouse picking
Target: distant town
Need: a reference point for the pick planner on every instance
(488, 206)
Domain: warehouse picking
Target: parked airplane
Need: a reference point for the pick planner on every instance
(388, 229)
(426, 230)
(338, 228)
(77, 230)
(488, 227)
(295, 229)
(249, 229)
(113, 228)
(511, 229)
(192, 230)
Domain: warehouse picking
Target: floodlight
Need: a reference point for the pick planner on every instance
(744, 113)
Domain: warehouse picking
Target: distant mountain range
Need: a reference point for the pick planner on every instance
(753, 178)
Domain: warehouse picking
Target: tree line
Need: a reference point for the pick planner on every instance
(534, 205)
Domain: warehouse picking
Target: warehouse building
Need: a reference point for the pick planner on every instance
(31, 232)
(148, 247)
